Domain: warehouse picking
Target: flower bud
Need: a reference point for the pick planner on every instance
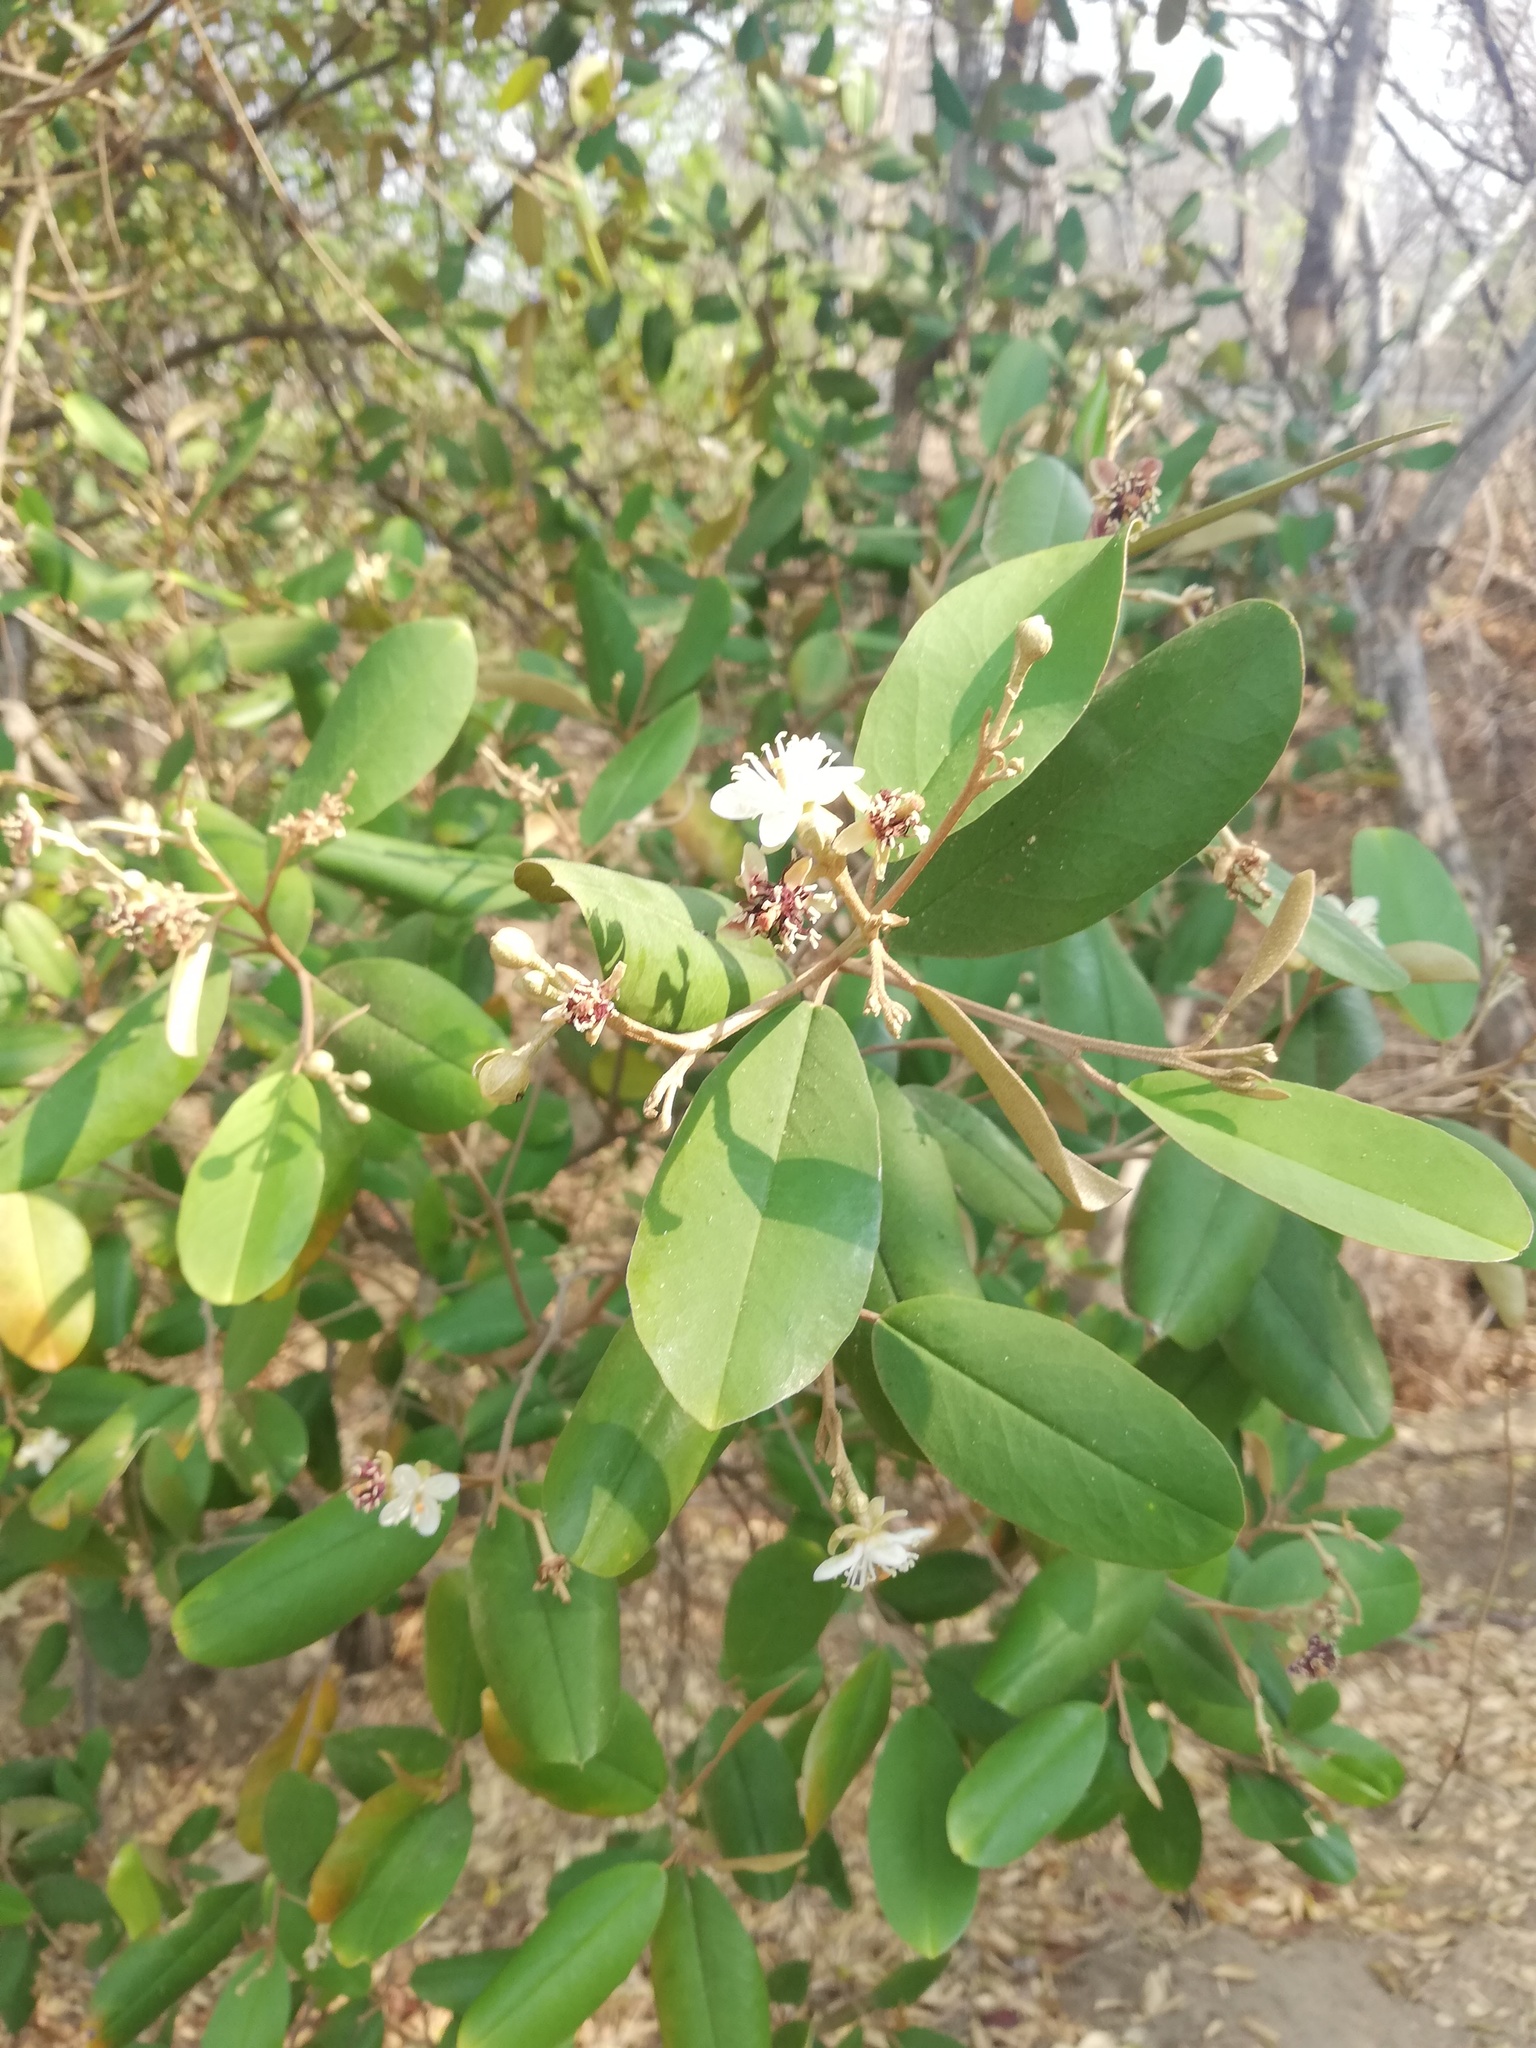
(320, 1064)
(504, 1074)
(1121, 366)
(511, 947)
(355, 1112)
(1152, 402)
(1137, 380)
(361, 1079)
(1033, 639)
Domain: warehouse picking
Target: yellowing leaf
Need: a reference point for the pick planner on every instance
(47, 1298)
(522, 84)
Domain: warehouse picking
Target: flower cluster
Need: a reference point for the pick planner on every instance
(1243, 871)
(785, 913)
(1319, 1659)
(585, 1005)
(151, 915)
(1122, 496)
(317, 825)
(415, 1493)
(787, 788)
(321, 1066)
(872, 1548)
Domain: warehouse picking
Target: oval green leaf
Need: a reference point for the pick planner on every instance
(1333, 941)
(1365, 1172)
(1167, 1840)
(553, 1665)
(1416, 899)
(43, 950)
(398, 713)
(708, 1983)
(1047, 1427)
(149, 1977)
(410, 1881)
(640, 771)
(1304, 1338)
(758, 1236)
(292, 1588)
(96, 427)
(922, 1245)
(1071, 1619)
(418, 1038)
(749, 1803)
(776, 1611)
(428, 877)
(1515, 1169)
(570, 1963)
(1025, 1785)
(844, 1737)
(1040, 505)
(926, 1893)
(1195, 1246)
(628, 1775)
(253, 1192)
(624, 1464)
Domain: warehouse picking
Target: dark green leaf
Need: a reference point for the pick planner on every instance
(1166, 1841)
(1025, 1786)
(776, 1611)
(297, 1823)
(553, 1665)
(922, 1244)
(1072, 1618)
(925, 1891)
(450, 1662)
(418, 1039)
(708, 1983)
(566, 1968)
(151, 1975)
(1195, 1246)
(642, 770)
(844, 1737)
(992, 1173)
(1304, 1338)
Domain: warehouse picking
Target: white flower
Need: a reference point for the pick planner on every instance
(1363, 913)
(42, 1450)
(417, 1492)
(789, 782)
(872, 1549)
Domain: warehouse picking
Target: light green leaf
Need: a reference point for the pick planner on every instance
(47, 1284)
(1070, 1620)
(693, 652)
(430, 877)
(1416, 899)
(628, 1775)
(1515, 1169)
(553, 1665)
(1365, 1172)
(1304, 1338)
(922, 1244)
(1383, 1595)
(844, 1737)
(992, 1175)
(925, 1891)
(96, 427)
(112, 1096)
(253, 1192)
(1047, 1427)
(304, 1582)
(1018, 380)
(252, 2010)
(624, 1464)
(1195, 1246)
(277, 644)
(1041, 504)
(409, 1882)
(708, 1983)
(399, 712)
(418, 1038)
(246, 856)
(1025, 1785)
(30, 1048)
(1161, 759)
(79, 1482)
(570, 1963)
(43, 950)
(642, 770)
(680, 971)
(758, 1236)
(920, 727)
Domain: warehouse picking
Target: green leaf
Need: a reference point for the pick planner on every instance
(992, 1175)
(1047, 1427)
(253, 1192)
(844, 1736)
(1331, 1040)
(356, 1850)
(776, 1611)
(411, 1880)
(112, 1096)
(623, 1466)
(399, 712)
(1416, 899)
(570, 1963)
(1161, 759)
(679, 973)
(1166, 1841)
(708, 1983)
(79, 1482)
(922, 1244)
(148, 1978)
(658, 337)
(1304, 1338)
(1018, 381)
(942, 1584)
(47, 1284)
(1383, 1585)
(1333, 941)
(430, 877)
(642, 770)
(553, 1665)
(610, 642)
(252, 2010)
(1089, 983)
(96, 427)
(1367, 1173)
(1515, 1169)
(1071, 1619)
(418, 1039)
(628, 1775)
(1195, 1245)
(693, 652)
(450, 1662)
(926, 1893)
(920, 727)
(276, 645)
(1025, 1785)
(1203, 88)
(42, 949)
(758, 1236)
(294, 1587)
(29, 1049)
(253, 1338)
(748, 1802)
(1348, 1766)
(298, 1822)
(1194, 1672)
(1203, 1381)
(1041, 504)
